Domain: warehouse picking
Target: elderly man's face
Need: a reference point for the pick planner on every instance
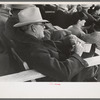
(39, 30)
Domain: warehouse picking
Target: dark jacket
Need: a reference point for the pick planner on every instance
(44, 57)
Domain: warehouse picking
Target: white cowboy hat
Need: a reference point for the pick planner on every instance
(28, 16)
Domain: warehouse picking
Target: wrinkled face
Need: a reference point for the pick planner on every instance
(39, 30)
(82, 22)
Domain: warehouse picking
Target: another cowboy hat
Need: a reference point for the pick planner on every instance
(28, 16)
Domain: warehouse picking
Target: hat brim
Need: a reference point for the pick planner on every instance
(30, 22)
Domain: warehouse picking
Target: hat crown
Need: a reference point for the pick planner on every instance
(30, 14)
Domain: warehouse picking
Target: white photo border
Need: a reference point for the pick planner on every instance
(46, 89)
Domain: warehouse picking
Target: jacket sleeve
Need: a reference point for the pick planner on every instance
(59, 70)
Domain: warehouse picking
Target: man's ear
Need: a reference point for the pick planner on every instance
(33, 28)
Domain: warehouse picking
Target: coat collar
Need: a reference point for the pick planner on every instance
(27, 38)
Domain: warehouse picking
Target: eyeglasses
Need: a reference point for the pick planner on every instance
(42, 24)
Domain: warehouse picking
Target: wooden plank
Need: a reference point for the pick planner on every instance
(32, 75)
(93, 61)
(21, 76)
(97, 51)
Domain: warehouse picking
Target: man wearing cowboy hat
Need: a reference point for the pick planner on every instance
(45, 56)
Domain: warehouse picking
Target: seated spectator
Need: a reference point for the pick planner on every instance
(4, 15)
(95, 11)
(63, 16)
(94, 37)
(78, 22)
(8, 64)
(76, 29)
(45, 56)
(90, 20)
(68, 9)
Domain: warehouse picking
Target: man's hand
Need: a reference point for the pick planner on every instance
(74, 39)
(77, 44)
(78, 48)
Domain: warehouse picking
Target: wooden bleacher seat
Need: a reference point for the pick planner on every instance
(32, 75)
(23, 76)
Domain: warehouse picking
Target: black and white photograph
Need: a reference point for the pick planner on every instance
(50, 43)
